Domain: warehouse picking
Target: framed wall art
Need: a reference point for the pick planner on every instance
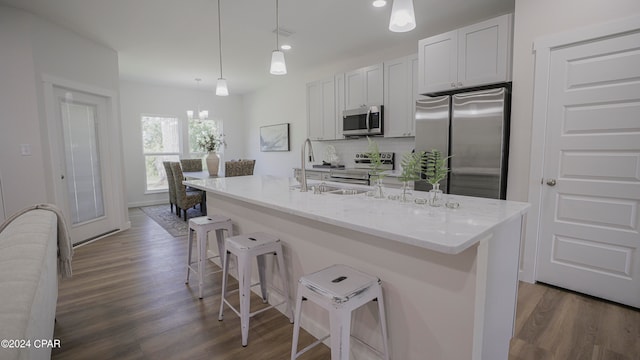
(274, 137)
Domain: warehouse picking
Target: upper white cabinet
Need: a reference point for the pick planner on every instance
(475, 55)
(340, 103)
(321, 110)
(364, 87)
(400, 92)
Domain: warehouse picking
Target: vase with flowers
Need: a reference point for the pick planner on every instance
(212, 143)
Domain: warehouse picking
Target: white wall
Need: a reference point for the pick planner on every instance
(139, 98)
(23, 181)
(533, 19)
(33, 48)
(284, 101)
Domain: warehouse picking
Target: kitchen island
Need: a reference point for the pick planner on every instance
(449, 275)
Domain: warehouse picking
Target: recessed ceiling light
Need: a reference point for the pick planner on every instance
(285, 47)
(379, 3)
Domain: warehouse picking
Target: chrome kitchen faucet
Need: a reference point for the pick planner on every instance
(303, 173)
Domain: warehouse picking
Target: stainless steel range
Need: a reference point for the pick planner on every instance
(359, 174)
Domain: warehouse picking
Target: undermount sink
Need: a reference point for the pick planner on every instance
(347, 191)
(330, 189)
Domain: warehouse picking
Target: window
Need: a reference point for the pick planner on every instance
(160, 142)
(198, 127)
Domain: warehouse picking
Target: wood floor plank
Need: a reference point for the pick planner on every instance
(128, 300)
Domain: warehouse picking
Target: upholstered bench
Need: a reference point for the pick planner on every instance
(28, 284)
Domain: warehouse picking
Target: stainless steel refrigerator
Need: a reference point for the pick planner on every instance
(472, 128)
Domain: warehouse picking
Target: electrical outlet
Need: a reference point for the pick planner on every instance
(25, 149)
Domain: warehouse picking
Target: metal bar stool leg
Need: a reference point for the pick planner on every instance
(340, 324)
(190, 242)
(296, 325)
(383, 324)
(244, 278)
(285, 283)
(225, 276)
(202, 255)
(261, 260)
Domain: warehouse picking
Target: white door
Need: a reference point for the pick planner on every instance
(82, 181)
(589, 222)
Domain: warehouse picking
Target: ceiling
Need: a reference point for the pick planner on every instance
(175, 41)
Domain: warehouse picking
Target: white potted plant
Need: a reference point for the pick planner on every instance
(436, 171)
(412, 165)
(376, 173)
(212, 143)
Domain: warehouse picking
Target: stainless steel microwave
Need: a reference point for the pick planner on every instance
(364, 121)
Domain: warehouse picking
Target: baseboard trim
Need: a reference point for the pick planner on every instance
(147, 203)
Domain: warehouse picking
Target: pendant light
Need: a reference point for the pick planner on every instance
(278, 66)
(403, 18)
(221, 86)
(201, 115)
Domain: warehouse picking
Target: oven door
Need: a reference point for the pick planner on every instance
(350, 176)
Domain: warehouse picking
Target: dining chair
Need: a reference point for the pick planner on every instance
(185, 199)
(239, 168)
(191, 164)
(172, 186)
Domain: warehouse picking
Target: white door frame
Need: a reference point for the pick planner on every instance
(542, 48)
(2, 211)
(120, 218)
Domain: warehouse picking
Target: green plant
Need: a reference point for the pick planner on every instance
(376, 172)
(211, 142)
(436, 166)
(412, 165)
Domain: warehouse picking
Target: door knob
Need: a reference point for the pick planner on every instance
(551, 182)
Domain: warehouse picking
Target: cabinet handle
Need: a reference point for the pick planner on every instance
(453, 84)
(459, 83)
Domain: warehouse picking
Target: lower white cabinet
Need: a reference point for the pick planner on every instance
(311, 175)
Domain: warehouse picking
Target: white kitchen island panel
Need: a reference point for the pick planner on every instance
(449, 276)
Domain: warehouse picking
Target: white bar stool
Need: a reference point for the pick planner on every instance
(245, 247)
(340, 290)
(202, 226)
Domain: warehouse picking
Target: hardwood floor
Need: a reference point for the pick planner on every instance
(127, 300)
(553, 323)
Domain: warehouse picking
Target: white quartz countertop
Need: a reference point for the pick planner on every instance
(439, 229)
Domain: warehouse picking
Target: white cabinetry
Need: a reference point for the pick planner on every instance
(340, 103)
(364, 87)
(475, 55)
(400, 92)
(312, 175)
(321, 110)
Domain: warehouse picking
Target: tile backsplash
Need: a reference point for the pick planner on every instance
(346, 149)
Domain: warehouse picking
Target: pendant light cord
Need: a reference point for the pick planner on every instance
(220, 39)
(277, 28)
